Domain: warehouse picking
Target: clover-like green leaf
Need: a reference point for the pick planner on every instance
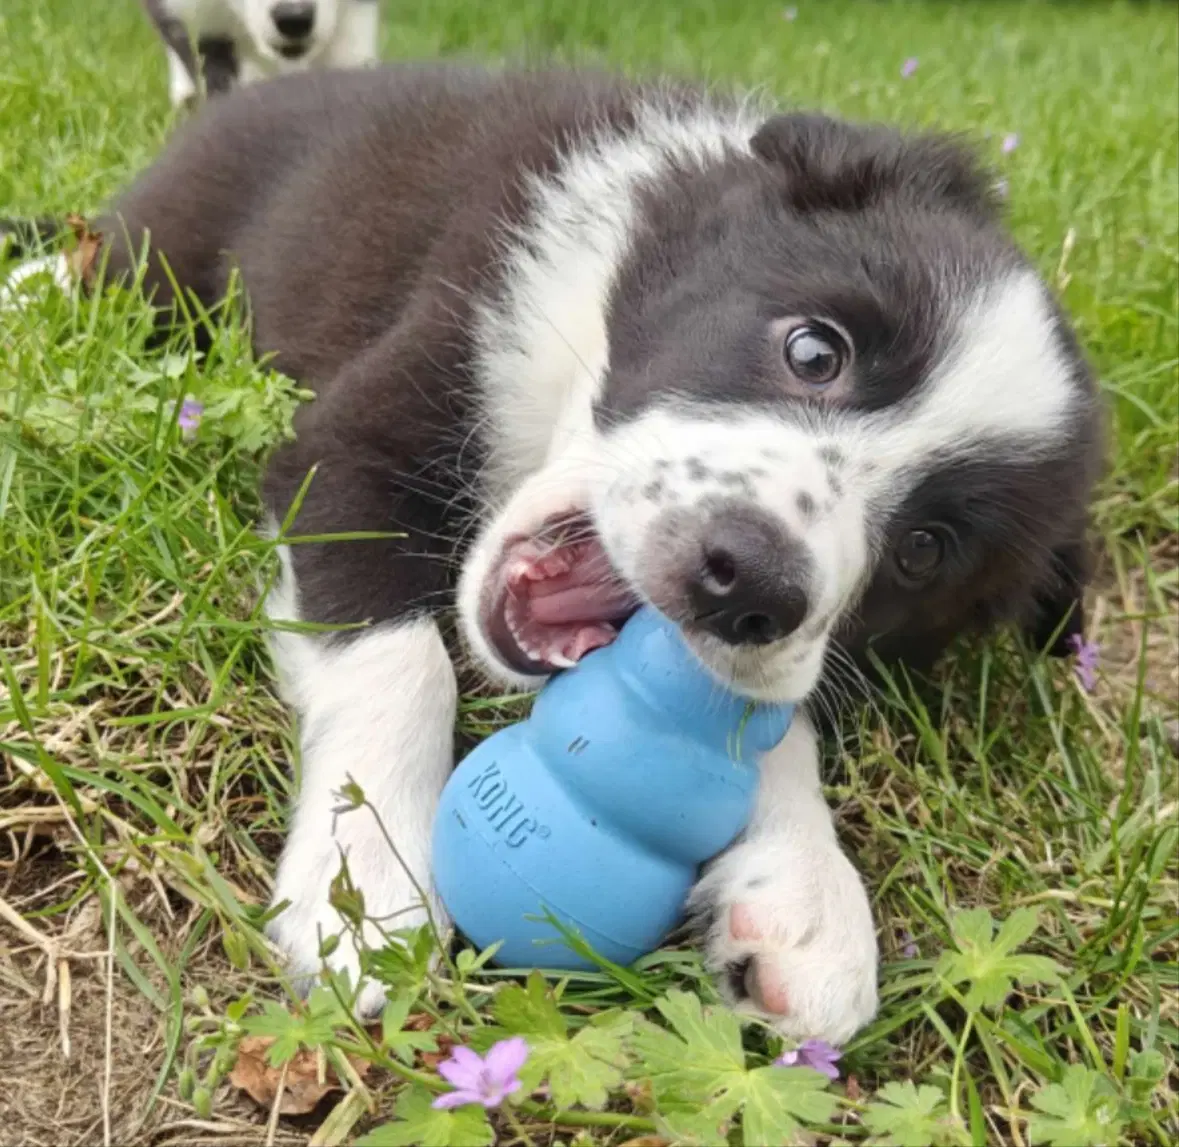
(1082, 1110)
(311, 1025)
(904, 1115)
(699, 1067)
(989, 962)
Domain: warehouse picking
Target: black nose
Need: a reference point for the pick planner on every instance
(293, 19)
(749, 587)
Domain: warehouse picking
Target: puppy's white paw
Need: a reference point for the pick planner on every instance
(788, 932)
(310, 864)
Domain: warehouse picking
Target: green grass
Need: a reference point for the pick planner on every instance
(145, 781)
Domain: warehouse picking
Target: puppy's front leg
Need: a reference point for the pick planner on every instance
(373, 544)
(788, 928)
(377, 707)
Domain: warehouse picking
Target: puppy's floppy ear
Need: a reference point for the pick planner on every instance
(1059, 611)
(830, 165)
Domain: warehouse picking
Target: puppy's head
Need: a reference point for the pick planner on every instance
(835, 405)
(290, 32)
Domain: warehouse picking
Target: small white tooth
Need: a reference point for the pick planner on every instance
(560, 661)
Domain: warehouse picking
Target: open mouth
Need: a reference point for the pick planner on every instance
(293, 49)
(553, 596)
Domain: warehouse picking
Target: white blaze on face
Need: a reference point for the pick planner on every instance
(1003, 379)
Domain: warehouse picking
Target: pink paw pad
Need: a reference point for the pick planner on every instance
(742, 923)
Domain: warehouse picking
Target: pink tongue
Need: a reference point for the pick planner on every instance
(581, 590)
(567, 599)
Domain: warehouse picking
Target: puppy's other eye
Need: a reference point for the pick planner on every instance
(815, 354)
(919, 554)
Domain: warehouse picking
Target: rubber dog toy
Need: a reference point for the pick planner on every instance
(634, 767)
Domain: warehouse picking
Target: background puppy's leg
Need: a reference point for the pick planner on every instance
(356, 40)
(377, 708)
(182, 66)
(789, 929)
(181, 85)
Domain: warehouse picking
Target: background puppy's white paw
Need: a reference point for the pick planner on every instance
(788, 932)
(21, 284)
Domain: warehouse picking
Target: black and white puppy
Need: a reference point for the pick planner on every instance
(225, 42)
(579, 344)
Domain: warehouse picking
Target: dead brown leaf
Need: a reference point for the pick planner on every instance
(82, 259)
(431, 1059)
(303, 1087)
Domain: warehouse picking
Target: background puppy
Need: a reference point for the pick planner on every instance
(579, 344)
(225, 41)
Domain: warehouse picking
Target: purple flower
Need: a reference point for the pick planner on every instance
(190, 416)
(909, 950)
(488, 1080)
(1087, 654)
(791, 14)
(1010, 142)
(814, 1053)
(908, 67)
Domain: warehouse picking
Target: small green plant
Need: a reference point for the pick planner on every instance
(701, 1078)
(1082, 1110)
(579, 1067)
(990, 962)
(904, 1115)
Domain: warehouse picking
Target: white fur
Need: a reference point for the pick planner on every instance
(345, 34)
(357, 36)
(378, 710)
(727, 440)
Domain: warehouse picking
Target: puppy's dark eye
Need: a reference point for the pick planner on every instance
(920, 553)
(815, 354)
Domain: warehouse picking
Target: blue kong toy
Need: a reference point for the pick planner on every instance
(634, 768)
